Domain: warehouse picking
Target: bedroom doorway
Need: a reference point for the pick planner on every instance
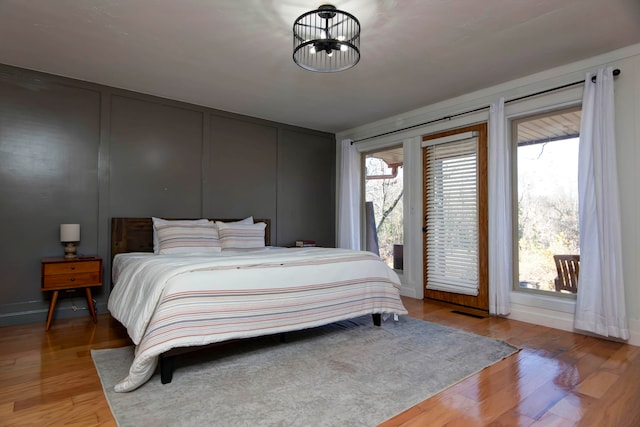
(455, 226)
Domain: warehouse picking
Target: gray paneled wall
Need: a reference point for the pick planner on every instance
(155, 159)
(72, 151)
(242, 155)
(305, 188)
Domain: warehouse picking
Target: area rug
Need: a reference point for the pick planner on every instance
(349, 373)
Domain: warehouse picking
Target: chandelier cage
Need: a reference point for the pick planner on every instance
(326, 40)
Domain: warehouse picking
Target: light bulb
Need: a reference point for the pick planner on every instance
(312, 50)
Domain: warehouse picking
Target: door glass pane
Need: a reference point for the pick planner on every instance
(384, 191)
(451, 175)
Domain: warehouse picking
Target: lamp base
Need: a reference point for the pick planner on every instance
(70, 250)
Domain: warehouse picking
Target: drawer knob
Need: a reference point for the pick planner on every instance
(73, 279)
(73, 268)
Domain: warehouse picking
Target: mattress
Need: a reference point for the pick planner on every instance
(169, 301)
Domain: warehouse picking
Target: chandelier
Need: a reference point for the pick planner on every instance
(326, 40)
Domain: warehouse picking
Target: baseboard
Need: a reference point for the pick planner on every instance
(634, 332)
(409, 291)
(563, 321)
(542, 317)
(36, 312)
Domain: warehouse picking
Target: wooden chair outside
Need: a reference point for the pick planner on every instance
(568, 267)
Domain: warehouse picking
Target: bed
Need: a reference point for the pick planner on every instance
(173, 289)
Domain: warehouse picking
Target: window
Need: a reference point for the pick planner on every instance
(546, 204)
(384, 191)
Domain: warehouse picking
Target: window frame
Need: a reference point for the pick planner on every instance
(513, 135)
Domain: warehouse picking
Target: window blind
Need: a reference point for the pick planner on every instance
(452, 217)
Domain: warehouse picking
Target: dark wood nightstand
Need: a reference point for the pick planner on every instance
(60, 274)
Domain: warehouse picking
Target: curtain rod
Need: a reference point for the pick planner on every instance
(616, 73)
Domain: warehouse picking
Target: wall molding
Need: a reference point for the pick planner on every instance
(564, 321)
(36, 312)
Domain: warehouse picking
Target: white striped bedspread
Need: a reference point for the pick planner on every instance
(169, 301)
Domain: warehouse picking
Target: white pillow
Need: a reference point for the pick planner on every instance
(241, 235)
(159, 222)
(188, 238)
(247, 220)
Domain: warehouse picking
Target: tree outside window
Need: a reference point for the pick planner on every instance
(384, 190)
(547, 197)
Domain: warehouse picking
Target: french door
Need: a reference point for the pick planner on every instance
(455, 223)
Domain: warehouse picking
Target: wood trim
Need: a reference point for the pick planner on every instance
(481, 301)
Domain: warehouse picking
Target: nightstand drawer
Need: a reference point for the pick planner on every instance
(71, 280)
(60, 274)
(72, 267)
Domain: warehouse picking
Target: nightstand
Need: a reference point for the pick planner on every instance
(59, 274)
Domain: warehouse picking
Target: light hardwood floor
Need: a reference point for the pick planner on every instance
(557, 379)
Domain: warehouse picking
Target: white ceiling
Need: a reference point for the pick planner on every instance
(235, 55)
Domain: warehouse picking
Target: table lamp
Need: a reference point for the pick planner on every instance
(70, 234)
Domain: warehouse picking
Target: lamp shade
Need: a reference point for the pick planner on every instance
(69, 232)
(326, 40)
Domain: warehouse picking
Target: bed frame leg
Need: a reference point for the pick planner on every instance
(377, 319)
(166, 368)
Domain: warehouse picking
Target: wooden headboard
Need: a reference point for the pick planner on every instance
(136, 234)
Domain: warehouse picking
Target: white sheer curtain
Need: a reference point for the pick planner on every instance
(500, 231)
(600, 305)
(349, 197)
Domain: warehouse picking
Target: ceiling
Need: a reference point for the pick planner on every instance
(549, 127)
(236, 55)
